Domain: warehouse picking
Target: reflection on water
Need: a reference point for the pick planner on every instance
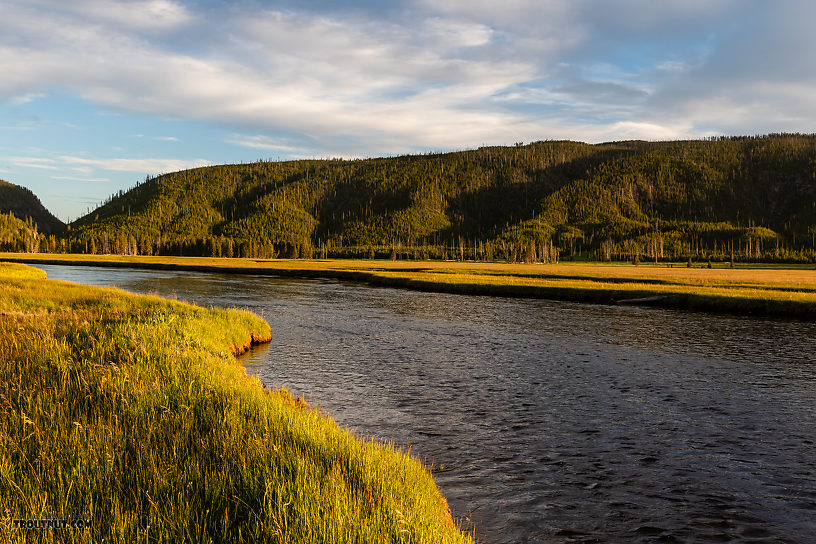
(548, 421)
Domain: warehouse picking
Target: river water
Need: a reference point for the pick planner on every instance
(549, 421)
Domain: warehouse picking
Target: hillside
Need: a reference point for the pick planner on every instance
(17, 235)
(24, 205)
(746, 197)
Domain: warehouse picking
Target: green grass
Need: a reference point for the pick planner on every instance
(788, 291)
(133, 410)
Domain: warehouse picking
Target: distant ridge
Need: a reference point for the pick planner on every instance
(730, 198)
(25, 205)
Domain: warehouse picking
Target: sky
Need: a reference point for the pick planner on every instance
(95, 95)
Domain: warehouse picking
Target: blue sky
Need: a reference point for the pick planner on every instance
(95, 95)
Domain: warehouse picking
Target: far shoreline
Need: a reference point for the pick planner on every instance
(772, 291)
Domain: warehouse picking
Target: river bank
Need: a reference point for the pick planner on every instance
(785, 291)
(132, 410)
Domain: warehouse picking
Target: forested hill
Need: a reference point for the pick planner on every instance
(17, 235)
(25, 206)
(743, 198)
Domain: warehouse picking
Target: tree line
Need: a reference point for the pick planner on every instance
(736, 198)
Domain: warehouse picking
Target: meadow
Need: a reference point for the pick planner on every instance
(134, 411)
(756, 289)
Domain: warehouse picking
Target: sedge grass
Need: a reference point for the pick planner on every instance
(133, 410)
(761, 289)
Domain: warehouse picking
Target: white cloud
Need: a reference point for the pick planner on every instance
(87, 166)
(265, 143)
(25, 98)
(32, 162)
(515, 13)
(441, 74)
(143, 166)
(150, 15)
(457, 33)
(142, 14)
(72, 178)
(281, 71)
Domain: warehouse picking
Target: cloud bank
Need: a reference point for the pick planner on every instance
(362, 79)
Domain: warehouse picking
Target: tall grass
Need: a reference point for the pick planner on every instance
(133, 410)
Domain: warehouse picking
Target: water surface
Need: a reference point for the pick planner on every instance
(549, 421)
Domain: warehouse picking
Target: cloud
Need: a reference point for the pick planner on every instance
(71, 178)
(141, 14)
(24, 98)
(32, 162)
(600, 91)
(149, 166)
(265, 143)
(441, 74)
(88, 165)
(326, 78)
(150, 15)
(457, 33)
(754, 80)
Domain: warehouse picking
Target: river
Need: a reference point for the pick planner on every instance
(548, 421)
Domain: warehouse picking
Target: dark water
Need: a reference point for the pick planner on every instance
(549, 421)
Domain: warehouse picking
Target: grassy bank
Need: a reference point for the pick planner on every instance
(775, 290)
(133, 410)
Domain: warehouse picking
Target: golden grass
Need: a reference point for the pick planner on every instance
(757, 289)
(132, 410)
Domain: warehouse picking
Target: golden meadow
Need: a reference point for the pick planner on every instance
(134, 411)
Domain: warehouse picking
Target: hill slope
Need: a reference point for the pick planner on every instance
(754, 197)
(17, 235)
(24, 205)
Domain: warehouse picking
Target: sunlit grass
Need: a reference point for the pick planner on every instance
(14, 271)
(758, 289)
(134, 411)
